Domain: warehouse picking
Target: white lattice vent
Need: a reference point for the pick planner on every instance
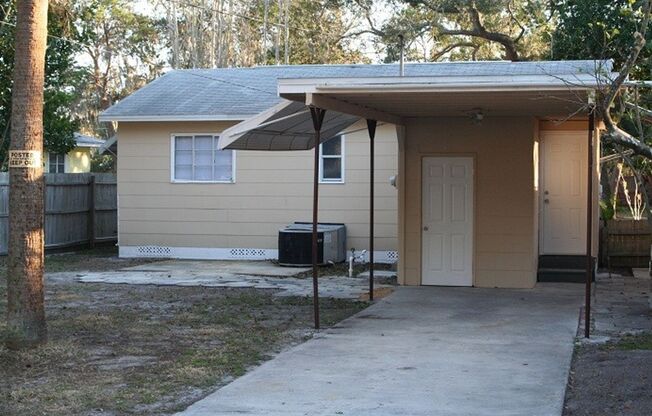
(392, 255)
(154, 251)
(248, 253)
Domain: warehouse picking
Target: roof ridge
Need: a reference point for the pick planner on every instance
(487, 61)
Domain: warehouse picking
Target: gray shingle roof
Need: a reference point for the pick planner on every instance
(87, 141)
(237, 92)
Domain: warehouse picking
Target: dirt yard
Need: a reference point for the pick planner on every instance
(613, 375)
(118, 349)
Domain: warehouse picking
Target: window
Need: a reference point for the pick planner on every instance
(196, 159)
(331, 169)
(56, 163)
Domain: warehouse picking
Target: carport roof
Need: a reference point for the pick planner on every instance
(393, 99)
(239, 93)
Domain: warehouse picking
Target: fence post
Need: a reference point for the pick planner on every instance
(91, 211)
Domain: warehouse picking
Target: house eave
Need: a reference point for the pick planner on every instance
(443, 84)
(171, 118)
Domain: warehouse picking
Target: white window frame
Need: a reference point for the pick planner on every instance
(65, 162)
(172, 161)
(343, 165)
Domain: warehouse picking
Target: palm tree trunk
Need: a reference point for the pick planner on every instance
(25, 309)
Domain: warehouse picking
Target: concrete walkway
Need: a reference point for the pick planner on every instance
(423, 351)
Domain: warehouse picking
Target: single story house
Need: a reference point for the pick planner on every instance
(78, 160)
(490, 161)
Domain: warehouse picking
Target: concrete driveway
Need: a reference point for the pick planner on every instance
(423, 351)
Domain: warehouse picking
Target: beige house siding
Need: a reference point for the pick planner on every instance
(503, 149)
(271, 189)
(506, 194)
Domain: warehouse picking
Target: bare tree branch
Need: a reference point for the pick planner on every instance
(612, 132)
(451, 47)
(644, 112)
(639, 44)
(616, 135)
(480, 31)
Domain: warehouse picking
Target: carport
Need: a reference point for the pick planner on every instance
(317, 109)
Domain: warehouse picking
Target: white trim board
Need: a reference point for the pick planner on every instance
(439, 83)
(144, 118)
(235, 253)
(342, 157)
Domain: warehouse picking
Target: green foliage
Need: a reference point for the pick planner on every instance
(61, 77)
(102, 163)
(599, 29)
(427, 22)
(606, 210)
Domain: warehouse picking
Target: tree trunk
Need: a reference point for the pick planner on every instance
(25, 308)
(277, 39)
(286, 23)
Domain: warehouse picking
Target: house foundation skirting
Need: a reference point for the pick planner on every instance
(235, 253)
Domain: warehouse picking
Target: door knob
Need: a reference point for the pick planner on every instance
(425, 228)
(545, 192)
(546, 201)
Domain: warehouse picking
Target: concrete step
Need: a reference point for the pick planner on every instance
(561, 275)
(562, 262)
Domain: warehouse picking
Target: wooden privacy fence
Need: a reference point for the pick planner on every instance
(625, 243)
(80, 209)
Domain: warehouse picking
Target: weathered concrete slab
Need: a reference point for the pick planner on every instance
(423, 351)
(254, 268)
(381, 276)
(329, 286)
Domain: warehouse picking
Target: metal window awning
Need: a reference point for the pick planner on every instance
(286, 126)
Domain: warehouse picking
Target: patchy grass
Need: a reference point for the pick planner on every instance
(98, 259)
(635, 342)
(120, 349)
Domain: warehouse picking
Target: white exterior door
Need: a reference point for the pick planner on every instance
(447, 221)
(563, 193)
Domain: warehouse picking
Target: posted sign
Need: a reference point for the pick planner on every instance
(24, 159)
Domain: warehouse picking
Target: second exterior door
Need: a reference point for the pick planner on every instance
(447, 221)
(563, 196)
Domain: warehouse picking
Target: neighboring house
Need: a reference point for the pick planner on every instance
(491, 159)
(78, 160)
